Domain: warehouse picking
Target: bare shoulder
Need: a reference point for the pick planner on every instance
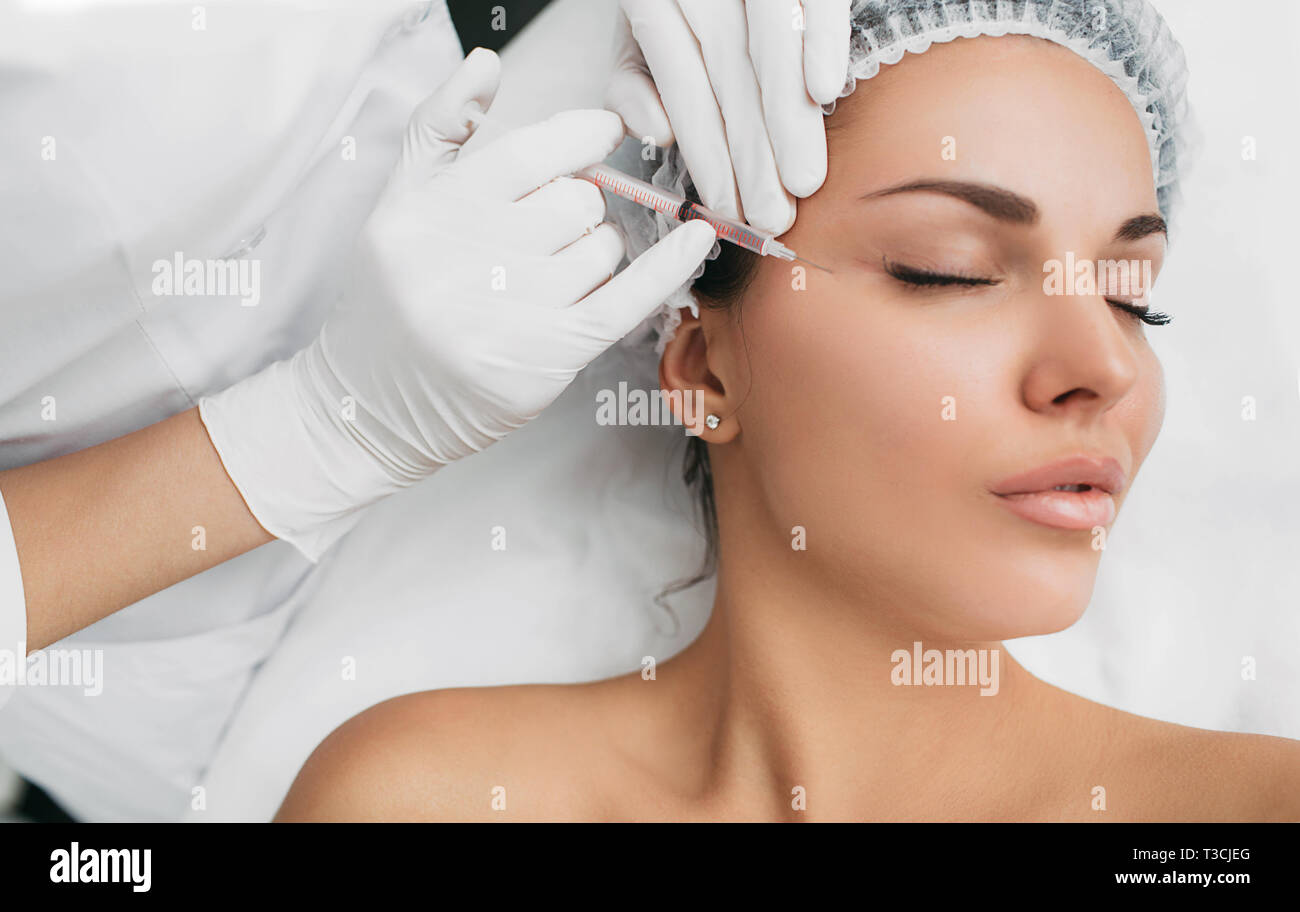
(1162, 771)
(1229, 775)
(466, 754)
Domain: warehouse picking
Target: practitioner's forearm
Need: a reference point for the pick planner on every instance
(102, 528)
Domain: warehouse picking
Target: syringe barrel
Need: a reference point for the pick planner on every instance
(728, 229)
(672, 205)
(638, 191)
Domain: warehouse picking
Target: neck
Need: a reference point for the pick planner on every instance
(809, 684)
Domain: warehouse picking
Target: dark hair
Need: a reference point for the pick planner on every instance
(719, 287)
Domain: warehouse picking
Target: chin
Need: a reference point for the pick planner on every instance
(1045, 596)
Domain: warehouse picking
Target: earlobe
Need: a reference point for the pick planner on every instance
(696, 396)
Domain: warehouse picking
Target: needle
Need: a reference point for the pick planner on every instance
(814, 265)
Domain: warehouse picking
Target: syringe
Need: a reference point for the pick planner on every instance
(680, 208)
(673, 205)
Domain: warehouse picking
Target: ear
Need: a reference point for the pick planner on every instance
(693, 390)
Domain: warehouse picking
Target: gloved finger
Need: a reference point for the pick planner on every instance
(518, 162)
(794, 120)
(825, 48)
(557, 214)
(616, 308)
(437, 130)
(720, 29)
(632, 93)
(577, 270)
(671, 51)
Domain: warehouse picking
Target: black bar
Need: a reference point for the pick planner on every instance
(478, 25)
(653, 862)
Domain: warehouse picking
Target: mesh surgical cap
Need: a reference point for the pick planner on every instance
(1125, 39)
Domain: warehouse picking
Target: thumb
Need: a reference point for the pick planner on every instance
(616, 308)
(437, 128)
(632, 94)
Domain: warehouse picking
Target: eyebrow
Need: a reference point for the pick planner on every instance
(1006, 206)
(997, 202)
(1140, 226)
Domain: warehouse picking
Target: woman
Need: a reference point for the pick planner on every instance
(922, 446)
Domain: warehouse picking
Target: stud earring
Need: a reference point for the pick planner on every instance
(712, 421)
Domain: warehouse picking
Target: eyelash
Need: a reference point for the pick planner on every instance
(917, 279)
(922, 278)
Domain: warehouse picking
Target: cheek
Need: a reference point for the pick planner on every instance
(846, 404)
(1142, 413)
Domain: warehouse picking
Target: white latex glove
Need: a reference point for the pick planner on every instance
(480, 286)
(740, 87)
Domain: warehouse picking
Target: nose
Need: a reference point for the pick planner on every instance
(1085, 361)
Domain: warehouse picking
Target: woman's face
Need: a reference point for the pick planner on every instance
(890, 419)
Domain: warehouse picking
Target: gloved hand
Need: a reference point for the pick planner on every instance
(767, 77)
(480, 286)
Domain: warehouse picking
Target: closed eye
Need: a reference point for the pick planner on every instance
(916, 278)
(1143, 313)
(924, 278)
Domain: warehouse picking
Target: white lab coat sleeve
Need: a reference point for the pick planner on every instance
(13, 604)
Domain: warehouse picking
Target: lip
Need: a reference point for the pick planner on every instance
(1031, 494)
